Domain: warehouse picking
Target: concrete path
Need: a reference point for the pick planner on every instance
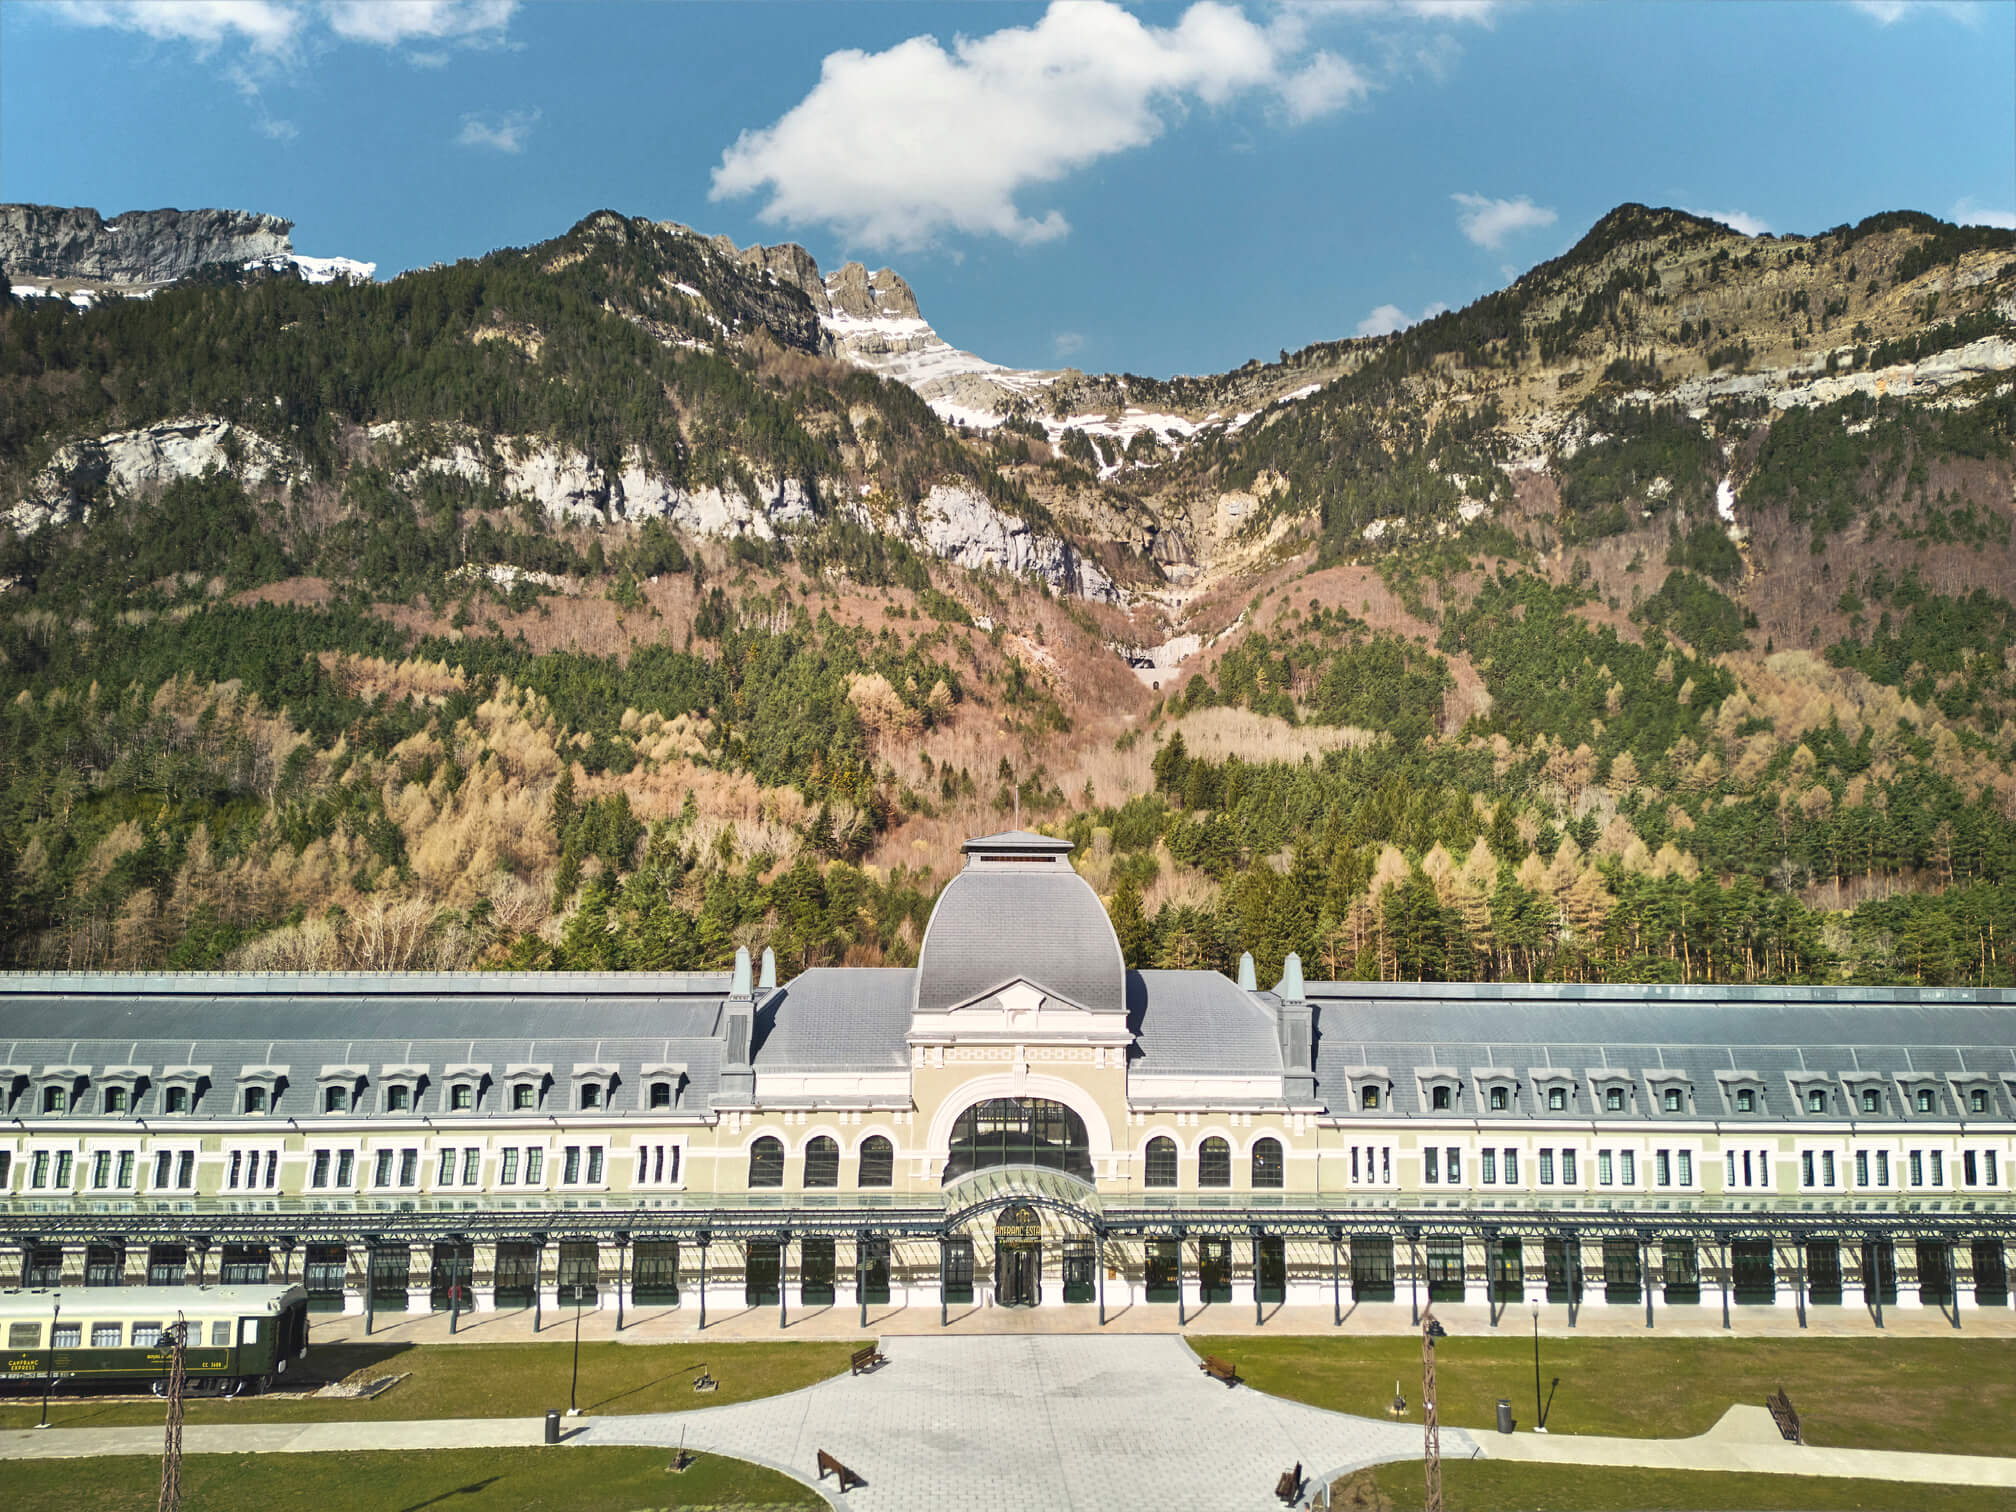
(1747, 1440)
(276, 1438)
(1056, 1423)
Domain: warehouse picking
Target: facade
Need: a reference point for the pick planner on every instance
(1019, 1120)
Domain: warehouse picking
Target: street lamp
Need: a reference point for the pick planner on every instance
(1539, 1410)
(572, 1385)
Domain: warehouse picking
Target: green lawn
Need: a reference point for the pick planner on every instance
(494, 1380)
(464, 1480)
(1485, 1486)
(1951, 1395)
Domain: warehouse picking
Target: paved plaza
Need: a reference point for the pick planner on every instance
(1006, 1424)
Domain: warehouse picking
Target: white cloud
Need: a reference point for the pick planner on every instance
(1476, 12)
(897, 147)
(505, 131)
(1740, 221)
(389, 23)
(1971, 212)
(1487, 222)
(1067, 343)
(1890, 12)
(1326, 83)
(265, 26)
(1387, 319)
(277, 130)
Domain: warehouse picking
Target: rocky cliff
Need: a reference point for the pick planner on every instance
(141, 246)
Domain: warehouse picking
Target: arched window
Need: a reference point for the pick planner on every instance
(1557, 1099)
(1214, 1163)
(766, 1162)
(1266, 1163)
(822, 1163)
(1746, 1100)
(461, 1097)
(178, 1099)
(1926, 1102)
(661, 1094)
(1816, 1100)
(590, 1094)
(878, 1162)
(1019, 1131)
(1501, 1099)
(1872, 1100)
(1161, 1171)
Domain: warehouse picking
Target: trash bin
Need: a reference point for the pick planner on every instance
(553, 1423)
(1504, 1417)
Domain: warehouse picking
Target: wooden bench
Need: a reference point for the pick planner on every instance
(1289, 1487)
(866, 1359)
(1220, 1370)
(1783, 1414)
(831, 1466)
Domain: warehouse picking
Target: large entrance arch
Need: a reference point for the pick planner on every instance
(1018, 1131)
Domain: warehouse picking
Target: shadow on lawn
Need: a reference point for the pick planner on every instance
(670, 1375)
(472, 1489)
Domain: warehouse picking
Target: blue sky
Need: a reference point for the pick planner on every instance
(1160, 188)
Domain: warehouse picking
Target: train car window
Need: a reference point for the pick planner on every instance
(104, 1335)
(24, 1335)
(67, 1336)
(248, 1330)
(146, 1335)
(220, 1334)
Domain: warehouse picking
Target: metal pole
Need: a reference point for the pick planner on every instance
(1539, 1407)
(1872, 1261)
(861, 1274)
(1723, 1241)
(538, 1291)
(1257, 1319)
(1414, 1278)
(1180, 1319)
(1801, 1246)
(1431, 1418)
(942, 1242)
(1099, 1258)
(783, 1278)
(1645, 1280)
(574, 1382)
(49, 1360)
(1336, 1283)
(622, 1251)
(704, 1238)
(454, 1290)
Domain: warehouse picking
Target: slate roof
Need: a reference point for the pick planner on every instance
(837, 1018)
(1780, 1042)
(1044, 923)
(1198, 1023)
(234, 1024)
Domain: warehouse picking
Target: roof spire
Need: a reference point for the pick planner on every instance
(1289, 988)
(1247, 979)
(740, 986)
(769, 978)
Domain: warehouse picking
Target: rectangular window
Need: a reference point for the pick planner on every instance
(220, 1333)
(272, 1168)
(101, 1170)
(1987, 1169)
(24, 1335)
(146, 1335)
(1686, 1168)
(1386, 1163)
(1746, 1169)
(570, 1171)
(1861, 1168)
(1546, 1168)
(6, 1169)
(1662, 1167)
(1603, 1168)
(1883, 1168)
(1452, 1164)
(409, 1167)
(1827, 1168)
(1511, 1168)
(1729, 1175)
(1354, 1162)
(1917, 1169)
(185, 1169)
(594, 1165)
(1938, 1170)
(125, 1169)
(38, 1170)
(1430, 1160)
(1489, 1161)
(346, 1163)
(472, 1166)
(318, 1175)
(507, 1173)
(104, 1335)
(384, 1172)
(535, 1162)
(1568, 1168)
(1967, 1170)
(237, 1156)
(66, 1336)
(446, 1175)
(1627, 1168)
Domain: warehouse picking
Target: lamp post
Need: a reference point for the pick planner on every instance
(574, 1384)
(49, 1360)
(1539, 1422)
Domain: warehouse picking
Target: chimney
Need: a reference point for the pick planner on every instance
(769, 977)
(1249, 981)
(738, 1072)
(1297, 1024)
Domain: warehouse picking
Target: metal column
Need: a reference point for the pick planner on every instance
(1257, 1318)
(942, 1316)
(861, 1273)
(1336, 1281)
(1099, 1238)
(705, 1238)
(783, 1278)
(1180, 1319)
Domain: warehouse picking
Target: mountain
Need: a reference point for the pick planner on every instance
(51, 248)
(623, 598)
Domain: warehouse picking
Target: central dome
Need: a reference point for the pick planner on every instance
(1019, 912)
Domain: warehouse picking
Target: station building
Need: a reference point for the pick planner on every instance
(1020, 1120)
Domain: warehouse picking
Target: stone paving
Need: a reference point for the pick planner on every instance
(1056, 1422)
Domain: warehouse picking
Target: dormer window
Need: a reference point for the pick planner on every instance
(1746, 1099)
(1613, 1099)
(55, 1100)
(335, 1099)
(1977, 1100)
(398, 1098)
(1438, 1098)
(1927, 1101)
(524, 1097)
(1673, 1100)
(661, 1094)
(1816, 1100)
(1872, 1100)
(591, 1095)
(175, 1100)
(1501, 1099)
(255, 1100)
(118, 1100)
(461, 1098)
(1557, 1099)
(1369, 1098)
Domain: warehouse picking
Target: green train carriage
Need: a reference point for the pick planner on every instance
(240, 1337)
